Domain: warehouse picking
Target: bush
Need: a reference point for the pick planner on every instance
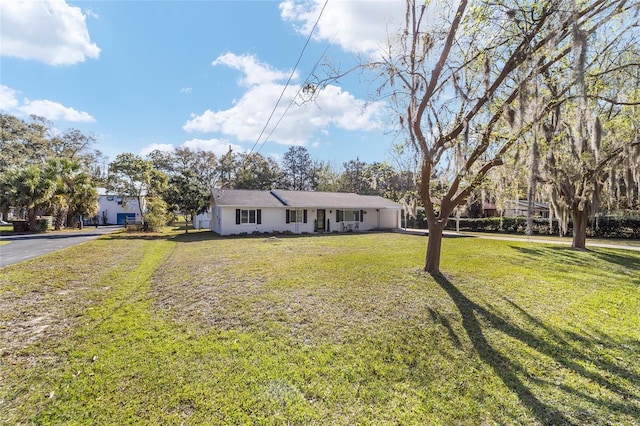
(616, 227)
(156, 216)
(602, 227)
(43, 225)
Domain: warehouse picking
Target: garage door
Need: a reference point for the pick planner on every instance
(130, 217)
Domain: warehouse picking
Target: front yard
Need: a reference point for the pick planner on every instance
(341, 329)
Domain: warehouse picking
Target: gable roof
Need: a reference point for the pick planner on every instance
(299, 199)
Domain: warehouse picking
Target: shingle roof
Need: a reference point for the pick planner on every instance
(245, 198)
(333, 199)
(300, 199)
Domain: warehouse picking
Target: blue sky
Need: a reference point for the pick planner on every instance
(140, 75)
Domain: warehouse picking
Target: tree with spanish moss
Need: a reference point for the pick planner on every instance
(459, 86)
(591, 134)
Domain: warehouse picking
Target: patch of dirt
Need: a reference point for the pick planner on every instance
(219, 296)
(41, 300)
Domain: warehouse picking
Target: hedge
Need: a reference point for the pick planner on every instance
(603, 227)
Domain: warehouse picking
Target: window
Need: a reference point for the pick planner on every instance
(248, 216)
(349, 215)
(296, 216)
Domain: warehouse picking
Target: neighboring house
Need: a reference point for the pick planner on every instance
(516, 208)
(489, 210)
(237, 211)
(520, 208)
(203, 220)
(112, 210)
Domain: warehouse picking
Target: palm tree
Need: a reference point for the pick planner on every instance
(31, 189)
(75, 193)
(83, 198)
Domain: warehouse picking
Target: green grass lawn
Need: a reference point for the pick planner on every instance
(567, 240)
(340, 329)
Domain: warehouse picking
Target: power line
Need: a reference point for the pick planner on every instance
(294, 98)
(290, 77)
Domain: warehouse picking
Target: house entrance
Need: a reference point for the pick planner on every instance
(320, 221)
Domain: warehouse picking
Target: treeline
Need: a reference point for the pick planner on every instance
(296, 171)
(183, 178)
(45, 172)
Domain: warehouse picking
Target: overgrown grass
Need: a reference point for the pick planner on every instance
(343, 329)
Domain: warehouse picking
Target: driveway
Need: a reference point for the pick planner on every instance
(28, 246)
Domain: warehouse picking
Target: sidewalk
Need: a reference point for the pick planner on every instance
(446, 233)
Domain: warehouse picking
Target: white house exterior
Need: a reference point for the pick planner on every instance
(203, 220)
(521, 207)
(238, 211)
(112, 210)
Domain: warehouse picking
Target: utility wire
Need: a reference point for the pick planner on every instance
(294, 98)
(290, 77)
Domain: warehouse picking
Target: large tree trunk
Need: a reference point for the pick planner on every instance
(434, 246)
(580, 219)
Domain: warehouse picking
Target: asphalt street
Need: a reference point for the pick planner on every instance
(27, 246)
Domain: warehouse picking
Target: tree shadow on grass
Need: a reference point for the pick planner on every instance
(208, 235)
(568, 353)
(629, 260)
(138, 236)
(192, 236)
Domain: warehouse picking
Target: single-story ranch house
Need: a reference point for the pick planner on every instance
(238, 211)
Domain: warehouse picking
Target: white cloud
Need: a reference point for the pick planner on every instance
(255, 73)
(50, 31)
(356, 26)
(217, 146)
(165, 147)
(53, 111)
(92, 14)
(8, 99)
(186, 90)
(297, 123)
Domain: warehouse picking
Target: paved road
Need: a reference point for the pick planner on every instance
(28, 246)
